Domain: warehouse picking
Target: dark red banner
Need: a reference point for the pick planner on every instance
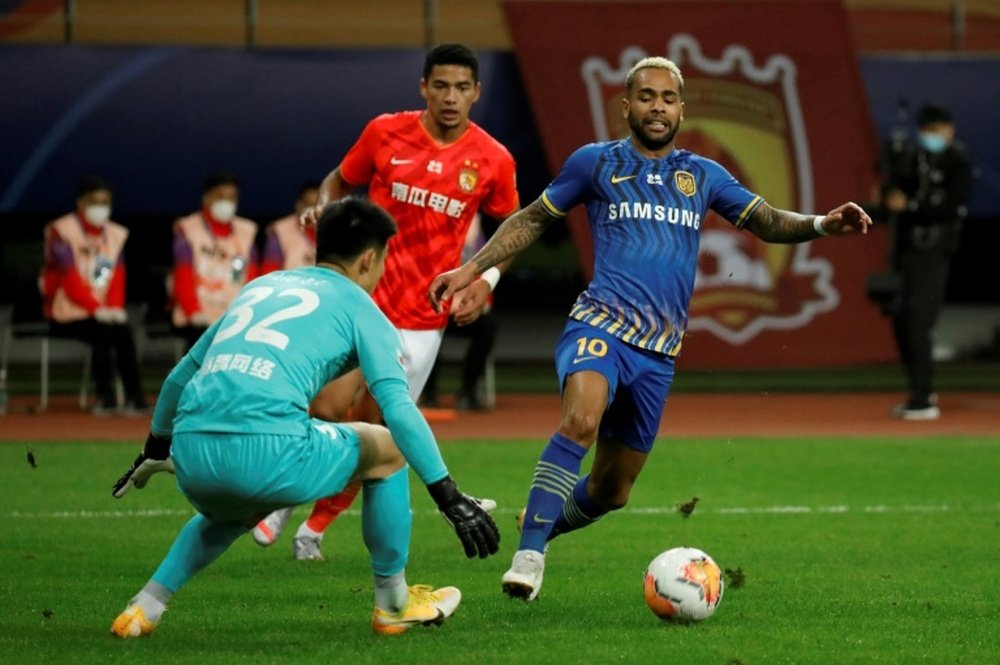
(772, 92)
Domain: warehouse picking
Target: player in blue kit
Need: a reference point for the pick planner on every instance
(232, 421)
(615, 359)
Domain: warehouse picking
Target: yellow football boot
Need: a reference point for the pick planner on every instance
(424, 607)
(132, 623)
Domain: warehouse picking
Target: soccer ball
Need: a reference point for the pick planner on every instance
(683, 584)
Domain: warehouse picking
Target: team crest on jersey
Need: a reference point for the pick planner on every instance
(468, 176)
(745, 116)
(685, 183)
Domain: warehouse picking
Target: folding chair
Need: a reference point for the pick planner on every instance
(26, 323)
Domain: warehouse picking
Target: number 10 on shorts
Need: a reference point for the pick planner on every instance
(589, 348)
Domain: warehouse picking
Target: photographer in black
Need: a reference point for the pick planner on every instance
(924, 191)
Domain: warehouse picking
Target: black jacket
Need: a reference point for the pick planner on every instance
(937, 186)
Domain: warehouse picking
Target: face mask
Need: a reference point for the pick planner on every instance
(223, 210)
(97, 214)
(932, 142)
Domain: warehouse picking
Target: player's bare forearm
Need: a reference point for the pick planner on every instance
(781, 226)
(503, 265)
(333, 187)
(517, 233)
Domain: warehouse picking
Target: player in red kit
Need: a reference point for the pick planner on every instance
(433, 170)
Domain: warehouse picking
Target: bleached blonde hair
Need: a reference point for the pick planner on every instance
(654, 62)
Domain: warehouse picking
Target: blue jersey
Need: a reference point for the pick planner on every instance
(645, 220)
(285, 336)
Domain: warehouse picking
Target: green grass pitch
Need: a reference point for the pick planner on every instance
(852, 551)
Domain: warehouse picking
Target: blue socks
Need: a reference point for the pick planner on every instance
(578, 512)
(554, 480)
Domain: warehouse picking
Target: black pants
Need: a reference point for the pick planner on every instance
(482, 335)
(925, 276)
(107, 340)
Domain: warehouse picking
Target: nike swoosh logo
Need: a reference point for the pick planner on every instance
(395, 161)
(580, 360)
(537, 519)
(615, 179)
(439, 619)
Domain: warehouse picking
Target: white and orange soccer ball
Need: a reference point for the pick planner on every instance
(683, 584)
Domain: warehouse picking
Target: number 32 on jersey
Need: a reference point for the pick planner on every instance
(304, 302)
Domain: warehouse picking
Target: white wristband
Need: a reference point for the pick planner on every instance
(818, 225)
(491, 277)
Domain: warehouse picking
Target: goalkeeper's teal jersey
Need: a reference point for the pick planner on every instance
(286, 335)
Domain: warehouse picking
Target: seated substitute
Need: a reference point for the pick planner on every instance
(214, 256)
(288, 242)
(83, 288)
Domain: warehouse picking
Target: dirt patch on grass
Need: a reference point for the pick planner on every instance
(537, 416)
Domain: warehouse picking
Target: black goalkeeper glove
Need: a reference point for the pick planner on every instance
(473, 525)
(154, 458)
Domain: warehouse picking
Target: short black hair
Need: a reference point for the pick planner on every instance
(307, 185)
(452, 54)
(92, 183)
(930, 114)
(349, 226)
(218, 178)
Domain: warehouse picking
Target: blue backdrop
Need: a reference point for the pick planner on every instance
(968, 85)
(155, 121)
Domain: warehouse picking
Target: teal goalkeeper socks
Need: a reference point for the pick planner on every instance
(153, 600)
(199, 543)
(391, 593)
(386, 522)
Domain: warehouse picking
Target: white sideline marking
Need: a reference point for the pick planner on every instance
(99, 514)
(654, 510)
(799, 510)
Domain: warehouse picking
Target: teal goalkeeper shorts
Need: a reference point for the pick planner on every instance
(242, 477)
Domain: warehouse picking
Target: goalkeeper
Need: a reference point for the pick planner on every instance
(232, 422)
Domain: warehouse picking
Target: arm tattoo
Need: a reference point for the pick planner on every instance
(516, 233)
(781, 226)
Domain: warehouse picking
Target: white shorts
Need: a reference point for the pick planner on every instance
(420, 349)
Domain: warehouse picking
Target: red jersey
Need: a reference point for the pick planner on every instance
(433, 192)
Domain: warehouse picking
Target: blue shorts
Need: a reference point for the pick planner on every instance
(638, 381)
(240, 477)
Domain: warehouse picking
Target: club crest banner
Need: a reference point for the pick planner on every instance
(773, 93)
